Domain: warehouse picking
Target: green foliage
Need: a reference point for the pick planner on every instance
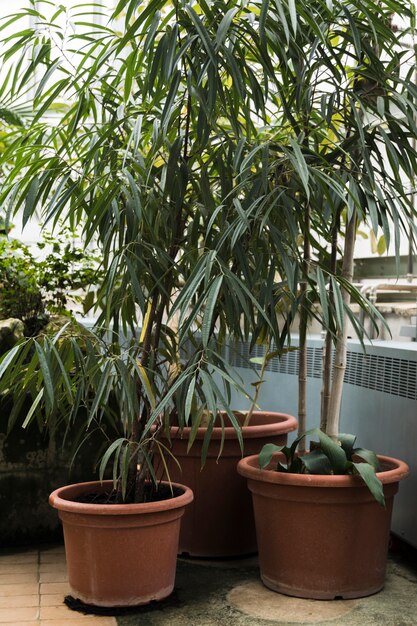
(68, 267)
(34, 287)
(187, 143)
(20, 295)
(328, 457)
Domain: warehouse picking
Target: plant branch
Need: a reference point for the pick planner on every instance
(339, 367)
(302, 368)
(328, 344)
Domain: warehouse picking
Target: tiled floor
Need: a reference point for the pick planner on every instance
(32, 588)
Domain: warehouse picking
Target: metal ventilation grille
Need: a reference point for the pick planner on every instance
(390, 375)
(398, 377)
(287, 364)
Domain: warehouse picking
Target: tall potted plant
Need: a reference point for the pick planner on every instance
(348, 101)
(153, 149)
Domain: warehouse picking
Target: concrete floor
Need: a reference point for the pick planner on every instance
(230, 593)
(33, 585)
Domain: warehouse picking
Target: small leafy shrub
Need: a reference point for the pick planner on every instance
(20, 294)
(32, 288)
(66, 269)
(327, 456)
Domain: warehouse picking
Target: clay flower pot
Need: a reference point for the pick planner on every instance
(119, 554)
(321, 537)
(220, 523)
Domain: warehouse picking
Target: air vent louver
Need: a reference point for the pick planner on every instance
(395, 376)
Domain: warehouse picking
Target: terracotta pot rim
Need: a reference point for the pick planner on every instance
(58, 500)
(249, 468)
(285, 423)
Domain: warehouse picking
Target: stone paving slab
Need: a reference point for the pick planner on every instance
(213, 594)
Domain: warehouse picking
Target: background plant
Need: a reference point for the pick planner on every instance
(211, 155)
(346, 96)
(33, 287)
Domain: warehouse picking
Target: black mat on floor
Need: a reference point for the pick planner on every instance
(90, 609)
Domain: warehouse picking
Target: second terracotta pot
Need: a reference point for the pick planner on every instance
(219, 522)
(321, 537)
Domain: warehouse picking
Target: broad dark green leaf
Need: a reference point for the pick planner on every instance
(268, 450)
(367, 473)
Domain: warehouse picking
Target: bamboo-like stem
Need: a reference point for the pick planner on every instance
(302, 367)
(339, 366)
(327, 380)
(136, 477)
(249, 414)
(327, 348)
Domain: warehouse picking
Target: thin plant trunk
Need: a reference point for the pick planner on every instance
(327, 380)
(339, 365)
(265, 360)
(302, 366)
(161, 297)
(328, 344)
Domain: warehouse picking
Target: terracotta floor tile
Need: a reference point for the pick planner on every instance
(52, 599)
(47, 588)
(8, 579)
(79, 621)
(25, 589)
(19, 601)
(60, 566)
(29, 623)
(23, 557)
(46, 557)
(57, 612)
(19, 615)
(53, 550)
(18, 568)
(71, 617)
(54, 577)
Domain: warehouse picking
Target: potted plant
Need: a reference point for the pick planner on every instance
(155, 154)
(323, 517)
(220, 521)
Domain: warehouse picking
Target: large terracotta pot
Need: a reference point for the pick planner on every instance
(220, 523)
(119, 554)
(321, 537)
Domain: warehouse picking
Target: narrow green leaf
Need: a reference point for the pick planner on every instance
(211, 302)
(31, 199)
(32, 409)
(324, 300)
(46, 375)
(338, 304)
(293, 15)
(189, 400)
(225, 25)
(203, 34)
(300, 165)
(116, 445)
(172, 94)
(8, 358)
